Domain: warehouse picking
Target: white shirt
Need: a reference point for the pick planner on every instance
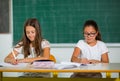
(92, 52)
(44, 44)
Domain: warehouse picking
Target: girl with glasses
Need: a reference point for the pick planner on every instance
(91, 50)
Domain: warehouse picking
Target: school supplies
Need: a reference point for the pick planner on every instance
(43, 64)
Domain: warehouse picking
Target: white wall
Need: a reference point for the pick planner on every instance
(5, 45)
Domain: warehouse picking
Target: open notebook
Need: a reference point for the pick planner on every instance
(67, 65)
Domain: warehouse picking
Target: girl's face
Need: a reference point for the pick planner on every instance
(30, 32)
(90, 34)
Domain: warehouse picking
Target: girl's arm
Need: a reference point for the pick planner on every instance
(75, 57)
(10, 58)
(46, 55)
(104, 59)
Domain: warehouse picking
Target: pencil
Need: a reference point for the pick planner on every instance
(13, 54)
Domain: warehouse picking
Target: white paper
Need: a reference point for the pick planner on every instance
(67, 65)
(10, 65)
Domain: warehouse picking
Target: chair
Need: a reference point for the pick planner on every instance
(55, 74)
(52, 58)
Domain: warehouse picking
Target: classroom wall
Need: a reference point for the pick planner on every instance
(5, 45)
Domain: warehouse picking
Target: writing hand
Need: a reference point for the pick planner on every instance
(14, 61)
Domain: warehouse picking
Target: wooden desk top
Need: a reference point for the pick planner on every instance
(104, 67)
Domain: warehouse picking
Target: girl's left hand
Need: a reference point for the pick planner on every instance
(21, 60)
(94, 61)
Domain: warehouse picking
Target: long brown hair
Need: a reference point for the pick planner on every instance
(95, 26)
(38, 38)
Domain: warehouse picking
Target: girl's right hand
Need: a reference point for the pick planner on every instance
(14, 61)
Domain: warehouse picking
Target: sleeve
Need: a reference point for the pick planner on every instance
(45, 44)
(104, 48)
(79, 44)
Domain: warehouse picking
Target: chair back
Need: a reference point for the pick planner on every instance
(52, 58)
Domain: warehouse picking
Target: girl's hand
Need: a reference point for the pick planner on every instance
(21, 60)
(94, 61)
(14, 61)
(84, 61)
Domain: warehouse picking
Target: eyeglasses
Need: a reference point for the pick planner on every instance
(89, 34)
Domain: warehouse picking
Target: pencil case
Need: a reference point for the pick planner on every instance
(43, 64)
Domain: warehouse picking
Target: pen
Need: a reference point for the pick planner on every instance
(14, 55)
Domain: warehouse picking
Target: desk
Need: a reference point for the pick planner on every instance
(102, 67)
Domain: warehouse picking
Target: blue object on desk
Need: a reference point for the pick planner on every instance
(83, 64)
(1, 66)
(42, 60)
